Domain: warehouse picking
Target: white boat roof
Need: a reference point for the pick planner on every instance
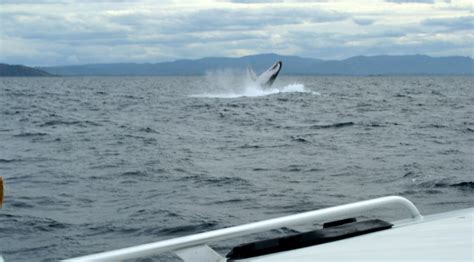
(448, 236)
(443, 237)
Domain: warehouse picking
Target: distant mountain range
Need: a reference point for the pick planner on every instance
(292, 65)
(19, 70)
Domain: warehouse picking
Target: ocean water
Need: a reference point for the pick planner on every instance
(98, 163)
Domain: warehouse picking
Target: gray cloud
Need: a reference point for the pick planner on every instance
(51, 34)
(273, 1)
(56, 29)
(255, 1)
(341, 50)
(63, 1)
(228, 19)
(455, 23)
(411, 1)
(363, 21)
(251, 19)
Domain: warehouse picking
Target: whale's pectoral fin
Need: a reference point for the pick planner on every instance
(251, 74)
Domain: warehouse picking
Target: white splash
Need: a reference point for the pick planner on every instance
(227, 84)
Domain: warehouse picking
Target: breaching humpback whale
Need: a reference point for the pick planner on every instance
(267, 78)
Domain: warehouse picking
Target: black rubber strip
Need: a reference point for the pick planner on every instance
(311, 238)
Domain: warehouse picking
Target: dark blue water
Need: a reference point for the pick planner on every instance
(97, 163)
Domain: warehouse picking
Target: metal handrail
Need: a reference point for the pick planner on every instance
(176, 244)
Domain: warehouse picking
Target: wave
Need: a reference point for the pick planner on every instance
(335, 125)
(4, 160)
(442, 183)
(463, 185)
(256, 91)
(299, 139)
(26, 224)
(204, 225)
(69, 123)
(134, 174)
(30, 134)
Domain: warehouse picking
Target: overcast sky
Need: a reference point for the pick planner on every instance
(40, 32)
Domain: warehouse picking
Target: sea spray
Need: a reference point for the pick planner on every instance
(230, 83)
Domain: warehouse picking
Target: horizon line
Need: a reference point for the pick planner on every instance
(234, 57)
